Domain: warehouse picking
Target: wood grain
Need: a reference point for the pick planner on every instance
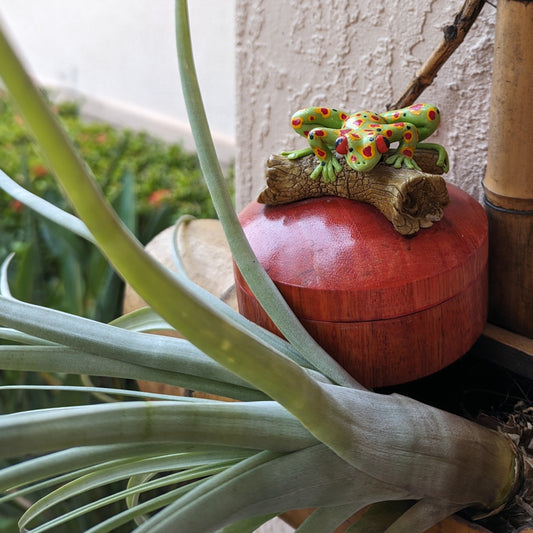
(506, 349)
(510, 157)
(511, 269)
(390, 309)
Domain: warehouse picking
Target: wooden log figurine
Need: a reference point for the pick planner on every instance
(410, 199)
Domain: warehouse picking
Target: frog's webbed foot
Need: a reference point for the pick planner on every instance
(296, 154)
(328, 169)
(442, 159)
(398, 160)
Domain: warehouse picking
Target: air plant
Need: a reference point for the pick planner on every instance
(303, 434)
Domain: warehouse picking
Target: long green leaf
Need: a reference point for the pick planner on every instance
(76, 513)
(133, 499)
(248, 525)
(327, 519)
(142, 509)
(74, 224)
(44, 208)
(167, 519)
(212, 332)
(44, 471)
(379, 516)
(88, 336)
(107, 391)
(143, 320)
(191, 465)
(423, 515)
(14, 335)
(311, 477)
(255, 425)
(256, 277)
(94, 506)
(4, 283)
(71, 361)
(272, 339)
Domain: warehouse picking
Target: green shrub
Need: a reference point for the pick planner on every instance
(149, 183)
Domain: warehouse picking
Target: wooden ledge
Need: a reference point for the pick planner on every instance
(506, 349)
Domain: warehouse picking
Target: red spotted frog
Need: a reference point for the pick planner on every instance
(363, 137)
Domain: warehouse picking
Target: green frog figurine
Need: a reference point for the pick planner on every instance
(363, 137)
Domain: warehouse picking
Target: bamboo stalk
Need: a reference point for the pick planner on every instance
(508, 182)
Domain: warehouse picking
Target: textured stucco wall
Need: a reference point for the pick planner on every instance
(293, 54)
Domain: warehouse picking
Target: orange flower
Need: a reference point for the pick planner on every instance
(157, 197)
(39, 171)
(16, 206)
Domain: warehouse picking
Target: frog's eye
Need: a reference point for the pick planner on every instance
(382, 144)
(341, 145)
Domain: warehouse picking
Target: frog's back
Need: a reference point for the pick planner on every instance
(362, 118)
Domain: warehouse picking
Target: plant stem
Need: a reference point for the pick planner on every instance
(257, 279)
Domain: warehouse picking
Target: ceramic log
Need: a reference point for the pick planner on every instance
(410, 199)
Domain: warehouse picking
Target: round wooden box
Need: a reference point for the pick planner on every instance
(390, 309)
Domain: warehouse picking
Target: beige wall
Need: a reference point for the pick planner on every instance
(355, 55)
(119, 58)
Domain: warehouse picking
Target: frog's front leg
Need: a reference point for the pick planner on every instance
(320, 140)
(407, 135)
(318, 125)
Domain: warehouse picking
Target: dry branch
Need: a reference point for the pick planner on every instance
(409, 199)
(454, 35)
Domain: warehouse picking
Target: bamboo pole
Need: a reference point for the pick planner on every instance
(508, 182)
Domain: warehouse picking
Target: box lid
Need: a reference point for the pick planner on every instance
(340, 260)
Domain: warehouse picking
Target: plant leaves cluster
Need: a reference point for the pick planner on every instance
(304, 433)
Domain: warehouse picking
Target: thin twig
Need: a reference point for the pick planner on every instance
(453, 37)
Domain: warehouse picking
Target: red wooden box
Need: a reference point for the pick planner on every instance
(390, 309)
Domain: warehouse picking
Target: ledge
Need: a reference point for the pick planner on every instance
(506, 349)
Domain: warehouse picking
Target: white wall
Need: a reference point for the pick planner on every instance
(356, 55)
(120, 56)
